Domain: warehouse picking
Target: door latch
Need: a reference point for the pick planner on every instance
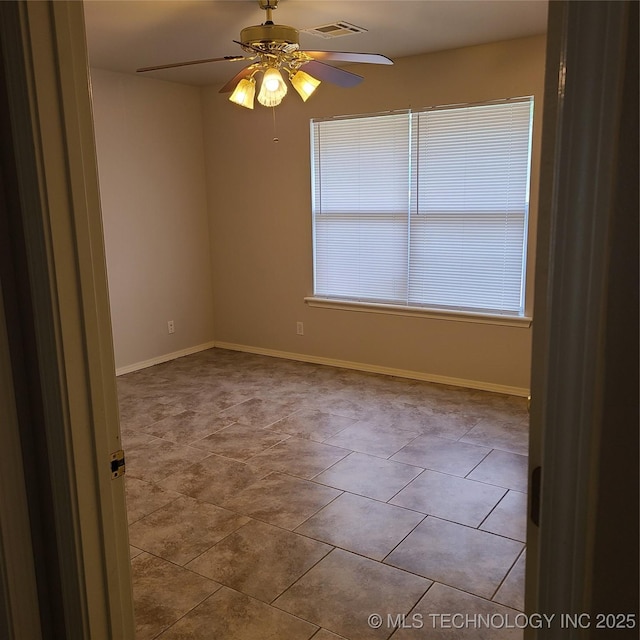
(117, 464)
(536, 480)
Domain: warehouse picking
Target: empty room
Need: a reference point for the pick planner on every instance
(332, 421)
(329, 424)
(315, 240)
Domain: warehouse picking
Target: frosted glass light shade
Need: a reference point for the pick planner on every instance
(273, 88)
(244, 93)
(304, 84)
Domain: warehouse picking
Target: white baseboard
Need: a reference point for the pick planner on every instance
(164, 358)
(372, 368)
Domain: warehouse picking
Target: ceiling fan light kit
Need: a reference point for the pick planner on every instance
(304, 84)
(244, 93)
(273, 49)
(273, 88)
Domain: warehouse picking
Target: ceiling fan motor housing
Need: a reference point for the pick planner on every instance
(278, 35)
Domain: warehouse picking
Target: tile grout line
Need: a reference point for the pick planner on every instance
(506, 575)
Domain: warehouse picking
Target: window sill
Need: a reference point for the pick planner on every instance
(435, 314)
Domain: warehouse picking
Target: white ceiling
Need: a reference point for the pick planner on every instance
(123, 35)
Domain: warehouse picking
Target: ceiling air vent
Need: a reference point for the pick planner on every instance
(335, 30)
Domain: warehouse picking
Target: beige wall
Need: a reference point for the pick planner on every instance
(260, 208)
(152, 182)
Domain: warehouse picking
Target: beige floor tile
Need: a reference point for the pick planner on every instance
(397, 414)
(158, 459)
(511, 591)
(229, 615)
(498, 406)
(183, 529)
(438, 616)
(187, 427)
(503, 469)
(343, 590)
(449, 497)
(258, 412)
(298, 457)
(144, 498)
(441, 454)
(508, 436)
(338, 403)
(282, 500)
(163, 592)
(377, 439)
(133, 438)
(134, 551)
(509, 518)
(240, 441)
(452, 425)
(136, 413)
(361, 525)
(126, 389)
(212, 403)
(369, 476)
(323, 634)
(156, 389)
(457, 556)
(214, 479)
(260, 560)
(313, 424)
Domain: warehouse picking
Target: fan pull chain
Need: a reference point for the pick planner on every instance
(275, 137)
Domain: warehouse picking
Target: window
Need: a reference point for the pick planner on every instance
(424, 209)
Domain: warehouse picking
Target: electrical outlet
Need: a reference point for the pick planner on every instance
(300, 328)
(171, 327)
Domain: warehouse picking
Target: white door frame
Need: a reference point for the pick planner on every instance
(81, 539)
(580, 289)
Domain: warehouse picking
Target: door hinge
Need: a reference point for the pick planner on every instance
(117, 464)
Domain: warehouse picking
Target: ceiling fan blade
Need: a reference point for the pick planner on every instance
(190, 62)
(328, 73)
(231, 85)
(348, 56)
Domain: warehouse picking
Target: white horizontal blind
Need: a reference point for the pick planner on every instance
(360, 206)
(468, 237)
(424, 209)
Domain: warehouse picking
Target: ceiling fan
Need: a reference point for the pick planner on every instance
(274, 49)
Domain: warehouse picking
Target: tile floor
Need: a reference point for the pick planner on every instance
(277, 500)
